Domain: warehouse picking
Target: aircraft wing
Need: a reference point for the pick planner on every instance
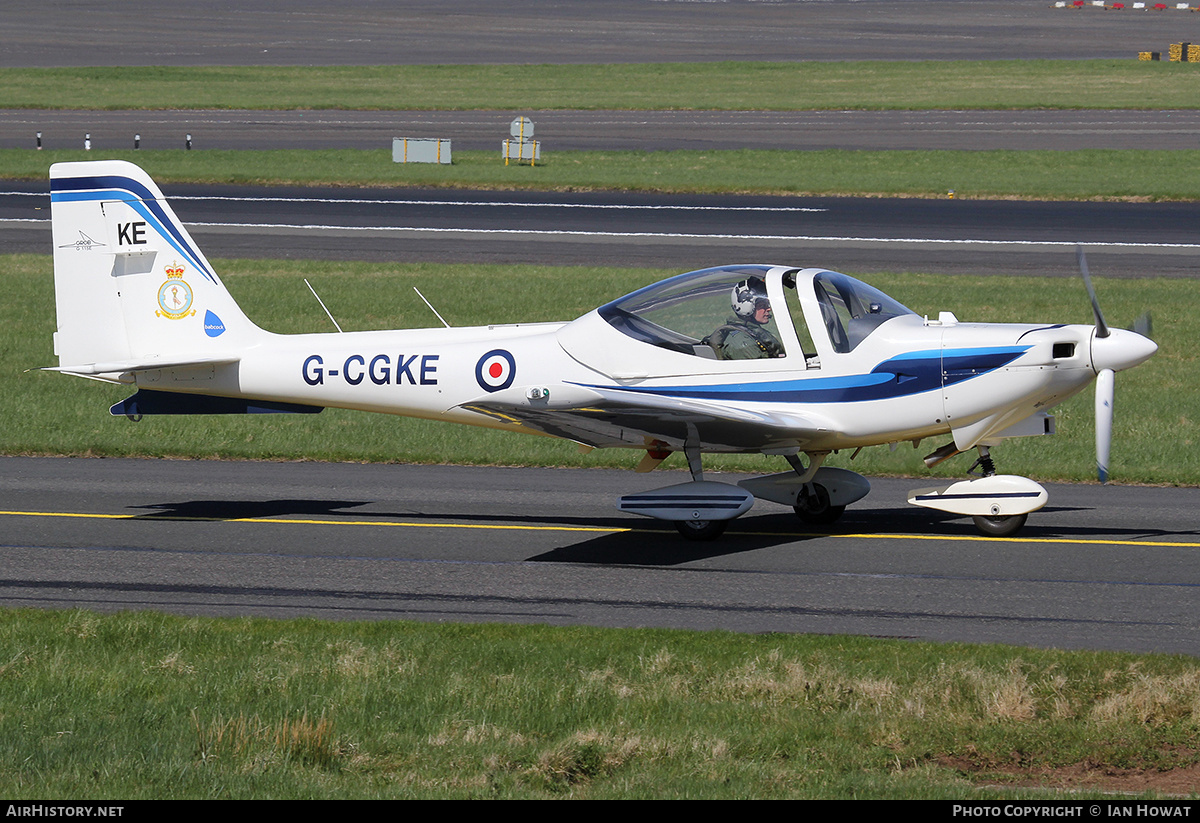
(607, 417)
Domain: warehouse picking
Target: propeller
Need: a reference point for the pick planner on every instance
(1101, 326)
(1112, 351)
(1106, 382)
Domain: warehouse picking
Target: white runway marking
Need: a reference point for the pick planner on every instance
(629, 235)
(266, 227)
(500, 204)
(512, 204)
(799, 238)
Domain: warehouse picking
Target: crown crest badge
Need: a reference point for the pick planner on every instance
(174, 295)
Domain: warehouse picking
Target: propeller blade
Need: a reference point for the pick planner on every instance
(1105, 389)
(1101, 326)
(1144, 326)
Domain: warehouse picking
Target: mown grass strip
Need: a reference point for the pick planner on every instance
(1155, 433)
(143, 705)
(1038, 175)
(998, 84)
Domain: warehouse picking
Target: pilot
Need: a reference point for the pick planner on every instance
(744, 335)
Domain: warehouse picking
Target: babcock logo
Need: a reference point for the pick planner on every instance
(213, 326)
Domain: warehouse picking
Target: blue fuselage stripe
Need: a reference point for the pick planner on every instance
(901, 376)
(975, 496)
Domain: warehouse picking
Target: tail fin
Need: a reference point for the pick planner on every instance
(131, 287)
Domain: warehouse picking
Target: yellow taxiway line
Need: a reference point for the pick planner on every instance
(611, 530)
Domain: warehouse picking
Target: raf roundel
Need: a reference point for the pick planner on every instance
(495, 370)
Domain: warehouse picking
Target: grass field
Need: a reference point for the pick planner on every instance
(1037, 175)
(1155, 429)
(1000, 84)
(134, 706)
(1138, 175)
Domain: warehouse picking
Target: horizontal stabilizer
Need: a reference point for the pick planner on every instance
(161, 402)
(147, 364)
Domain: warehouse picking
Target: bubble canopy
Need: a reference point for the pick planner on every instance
(681, 312)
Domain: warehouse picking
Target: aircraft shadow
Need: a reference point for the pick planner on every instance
(654, 543)
(251, 509)
(660, 545)
(246, 509)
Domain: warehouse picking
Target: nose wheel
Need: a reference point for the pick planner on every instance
(998, 504)
(994, 525)
(1003, 526)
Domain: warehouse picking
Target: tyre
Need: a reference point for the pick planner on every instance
(813, 506)
(701, 529)
(1000, 526)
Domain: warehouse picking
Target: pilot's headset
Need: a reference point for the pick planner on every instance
(747, 296)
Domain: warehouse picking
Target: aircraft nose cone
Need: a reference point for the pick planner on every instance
(1121, 350)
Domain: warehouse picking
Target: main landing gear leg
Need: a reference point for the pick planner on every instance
(698, 529)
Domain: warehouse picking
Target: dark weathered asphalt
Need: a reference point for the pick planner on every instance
(1099, 568)
(681, 232)
(361, 32)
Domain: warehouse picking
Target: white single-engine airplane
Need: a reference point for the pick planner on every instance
(772, 360)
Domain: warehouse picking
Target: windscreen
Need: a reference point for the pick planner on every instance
(852, 310)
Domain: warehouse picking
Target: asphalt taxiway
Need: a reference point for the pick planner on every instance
(1099, 568)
